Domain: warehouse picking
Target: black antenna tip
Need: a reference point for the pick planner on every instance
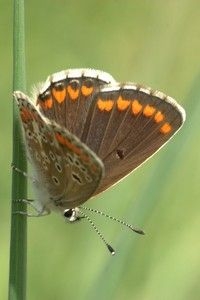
(139, 231)
(111, 250)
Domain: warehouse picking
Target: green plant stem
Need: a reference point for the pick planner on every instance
(18, 247)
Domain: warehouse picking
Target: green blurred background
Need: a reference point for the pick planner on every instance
(156, 43)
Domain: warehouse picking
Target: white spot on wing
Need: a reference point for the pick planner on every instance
(45, 86)
(159, 94)
(111, 88)
(145, 90)
(177, 106)
(58, 76)
(131, 86)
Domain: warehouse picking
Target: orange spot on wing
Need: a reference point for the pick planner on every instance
(105, 105)
(136, 107)
(85, 158)
(46, 104)
(26, 115)
(159, 117)
(86, 91)
(65, 142)
(73, 93)
(49, 103)
(148, 111)
(73, 148)
(166, 128)
(94, 168)
(122, 104)
(59, 94)
(60, 138)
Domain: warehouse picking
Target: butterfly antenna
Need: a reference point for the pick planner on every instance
(137, 230)
(111, 250)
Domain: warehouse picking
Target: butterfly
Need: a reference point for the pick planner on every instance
(84, 132)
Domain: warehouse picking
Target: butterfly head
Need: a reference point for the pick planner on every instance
(72, 214)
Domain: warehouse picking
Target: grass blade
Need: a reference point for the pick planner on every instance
(18, 251)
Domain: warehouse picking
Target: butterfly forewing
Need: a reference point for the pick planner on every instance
(130, 126)
(121, 125)
(68, 97)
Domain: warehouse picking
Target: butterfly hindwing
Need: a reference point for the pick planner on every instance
(66, 170)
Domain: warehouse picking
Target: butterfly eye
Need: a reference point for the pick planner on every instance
(68, 213)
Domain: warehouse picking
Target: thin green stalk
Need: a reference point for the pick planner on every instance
(18, 247)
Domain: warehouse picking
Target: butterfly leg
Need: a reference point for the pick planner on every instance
(25, 174)
(39, 213)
